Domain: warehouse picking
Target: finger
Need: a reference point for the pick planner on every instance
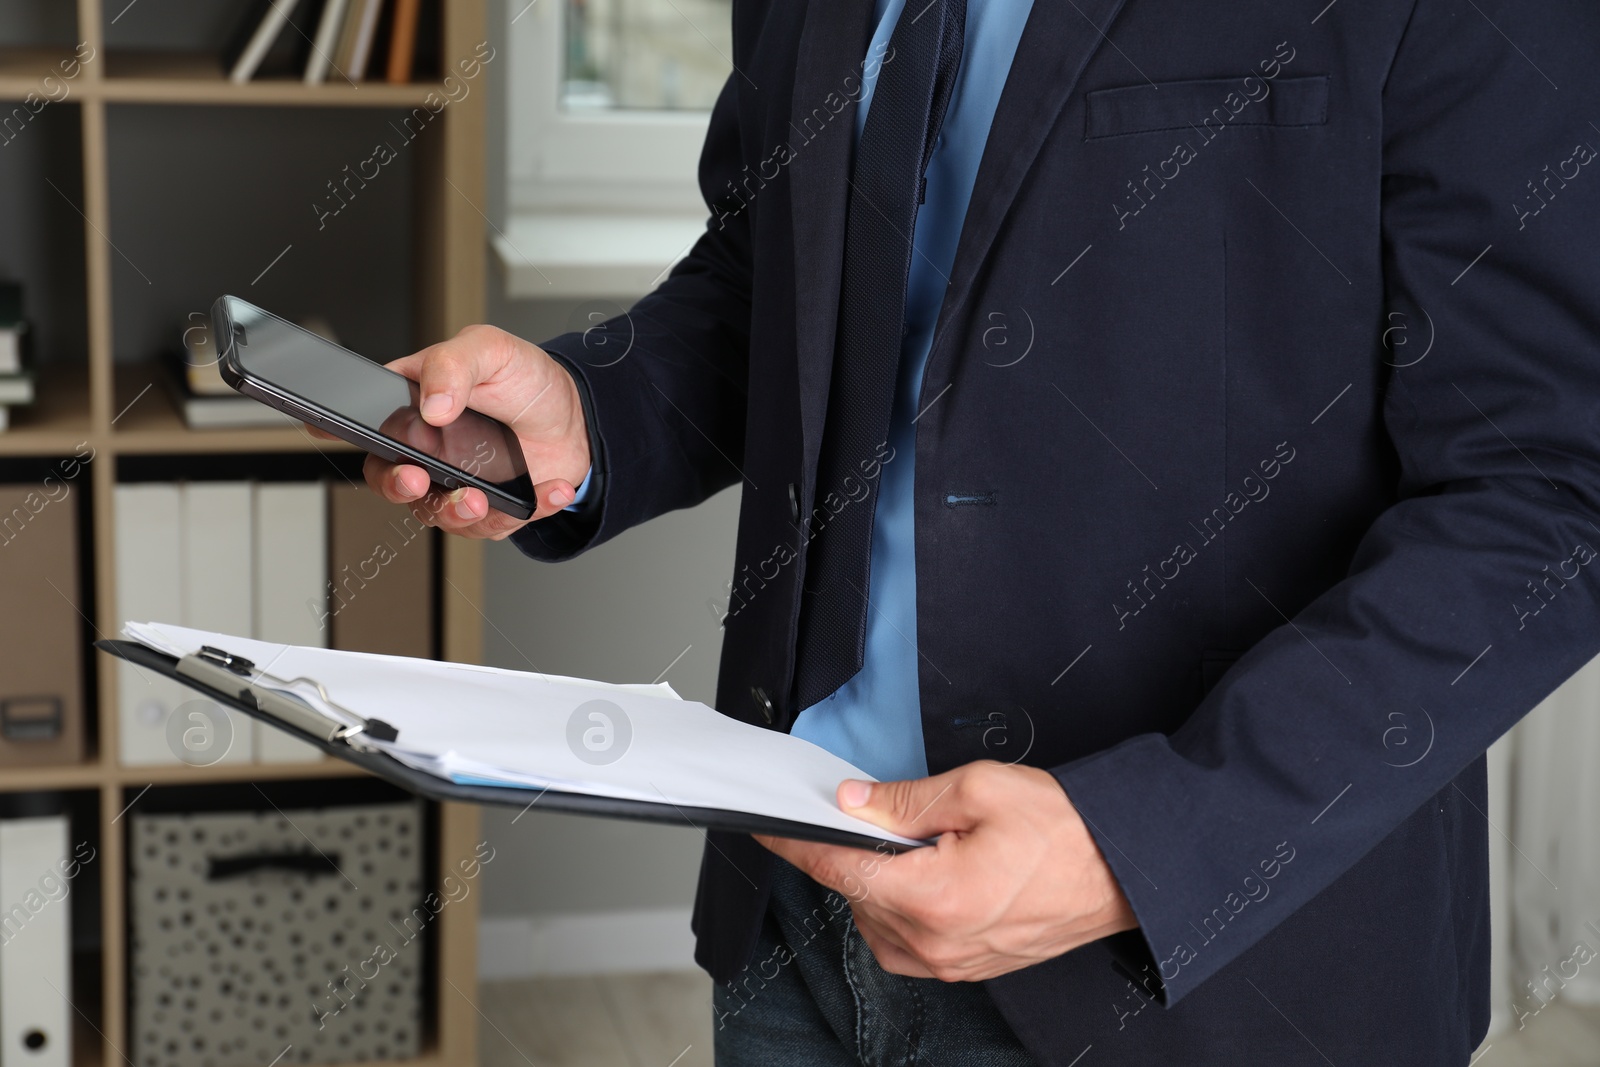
(410, 366)
(888, 949)
(466, 513)
(809, 856)
(465, 506)
(553, 495)
(397, 483)
(445, 376)
(446, 373)
(471, 505)
(455, 511)
(918, 807)
(854, 873)
(319, 433)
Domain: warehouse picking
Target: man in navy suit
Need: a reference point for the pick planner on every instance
(1167, 436)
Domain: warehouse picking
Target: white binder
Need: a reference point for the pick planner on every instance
(149, 552)
(35, 949)
(327, 40)
(291, 588)
(260, 43)
(218, 537)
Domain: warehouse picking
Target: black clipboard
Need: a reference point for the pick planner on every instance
(345, 744)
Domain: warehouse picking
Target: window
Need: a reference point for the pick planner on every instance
(670, 55)
(609, 101)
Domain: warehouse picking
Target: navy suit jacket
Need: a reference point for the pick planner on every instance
(1257, 478)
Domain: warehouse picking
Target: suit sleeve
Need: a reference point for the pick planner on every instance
(1472, 597)
(663, 385)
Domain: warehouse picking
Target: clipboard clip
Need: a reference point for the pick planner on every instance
(220, 669)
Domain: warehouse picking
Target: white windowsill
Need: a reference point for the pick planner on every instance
(573, 255)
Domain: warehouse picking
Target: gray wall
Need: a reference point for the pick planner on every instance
(33, 216)
(34, 24)
(195, 214)
(621, 613)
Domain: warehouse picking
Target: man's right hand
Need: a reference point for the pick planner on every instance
(509, 379)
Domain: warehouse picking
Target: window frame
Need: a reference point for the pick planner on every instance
(615, 161)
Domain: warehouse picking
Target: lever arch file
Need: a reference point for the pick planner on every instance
(35, 952)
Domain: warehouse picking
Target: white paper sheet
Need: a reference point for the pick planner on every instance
(462, 722)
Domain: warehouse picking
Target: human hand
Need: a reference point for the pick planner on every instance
(1014, 879)
(509, 379)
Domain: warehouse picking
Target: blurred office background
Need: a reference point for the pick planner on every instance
(557, 185)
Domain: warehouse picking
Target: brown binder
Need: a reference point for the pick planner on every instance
(380, 575)
(403, 40)
(41, 635)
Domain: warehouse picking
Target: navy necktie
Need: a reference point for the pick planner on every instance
(886, 186)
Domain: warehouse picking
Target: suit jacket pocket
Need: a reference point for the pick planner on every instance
(1212, 103)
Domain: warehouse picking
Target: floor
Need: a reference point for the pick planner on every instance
(614, 1020)
(664, 1020)
(1561, 1035)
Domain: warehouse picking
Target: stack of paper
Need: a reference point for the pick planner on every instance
(483, 725)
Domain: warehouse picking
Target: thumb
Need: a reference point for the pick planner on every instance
(447, 373)
(915, 807)
(446, 380)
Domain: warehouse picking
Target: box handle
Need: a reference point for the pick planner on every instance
(30, 718)
(219, 868)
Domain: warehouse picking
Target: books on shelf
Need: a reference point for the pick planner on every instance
(13, 329)
(310, 563)
(16, 389)
(355, 40)
(259, 31)
(207, 402)
(230, 412)
(201, 373)
(16, 380)
(403, 41)
(326, 41)
(321, 39)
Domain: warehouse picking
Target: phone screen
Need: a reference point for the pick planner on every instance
(315, 369)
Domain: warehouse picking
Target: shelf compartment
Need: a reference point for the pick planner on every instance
(42, 247)
(300, 213)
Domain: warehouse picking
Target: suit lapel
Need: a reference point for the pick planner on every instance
(1056, 45)
(833, 44)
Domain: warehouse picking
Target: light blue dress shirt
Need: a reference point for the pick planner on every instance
(875, 719)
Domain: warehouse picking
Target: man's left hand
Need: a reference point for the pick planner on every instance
(1015, 877)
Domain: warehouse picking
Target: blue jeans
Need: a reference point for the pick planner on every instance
(813, 996)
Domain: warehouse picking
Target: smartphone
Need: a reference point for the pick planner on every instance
(289, 368)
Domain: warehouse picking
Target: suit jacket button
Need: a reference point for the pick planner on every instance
(759, 695)
(794, 503)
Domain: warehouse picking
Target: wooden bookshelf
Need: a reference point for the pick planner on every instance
(123, 410)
